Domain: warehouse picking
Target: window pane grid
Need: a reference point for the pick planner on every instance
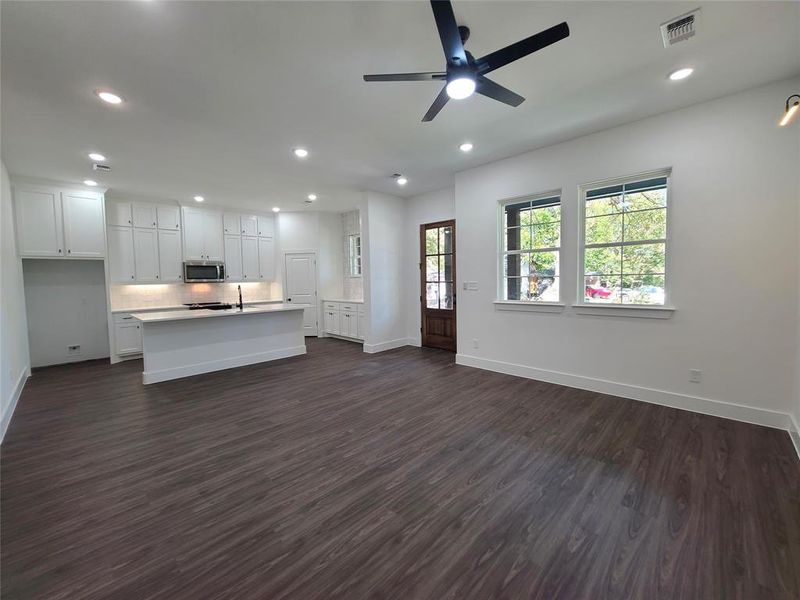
(439, 268)
(620, 223)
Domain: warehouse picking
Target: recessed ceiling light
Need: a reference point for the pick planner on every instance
(681, 74)
(312, 197)
(465, 147)
(276, 209)
(89, 182)
(97, 156)
(109, 97)
(198, 198)
(300, 152)
(402, 180)
(461, 88)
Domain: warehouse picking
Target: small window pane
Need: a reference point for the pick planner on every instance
(432, 268)
(431, 241)
(604, 230)
(526, 240)
(648, 289)
(511, 239)
(547, 214)
(447, 267)
(544, 289)
(445, 240)
(432, 295)
(545, 262)
(604, 261)
(602, 289)
(604, 206)
(646, 200)
(547, 235)
(646, 225)
(645, 258)
(512, 287)
(446, 295)
(514, 263)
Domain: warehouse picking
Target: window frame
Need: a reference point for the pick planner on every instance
(532, 305)
(642, 310)
(354, 258)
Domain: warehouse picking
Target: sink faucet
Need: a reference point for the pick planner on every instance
(239, 305)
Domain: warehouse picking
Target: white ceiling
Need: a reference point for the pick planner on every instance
(219, 93)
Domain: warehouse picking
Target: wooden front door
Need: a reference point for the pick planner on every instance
(438, 284)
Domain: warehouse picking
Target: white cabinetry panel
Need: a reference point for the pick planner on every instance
(233, 258)
(170, 260)
(169, 217)
(266, 259)
(84, 225)
(39, 223)
(144, 216)
(119, 213)
(250, 262)
(145, 253)
(121, 266)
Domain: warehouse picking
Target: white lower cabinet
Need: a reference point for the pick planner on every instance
(345, 319)
(127, 334)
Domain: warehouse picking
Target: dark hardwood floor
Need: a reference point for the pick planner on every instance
(397, 475)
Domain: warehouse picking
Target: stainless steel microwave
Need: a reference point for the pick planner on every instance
(196, 271)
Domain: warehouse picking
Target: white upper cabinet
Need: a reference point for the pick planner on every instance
(213, 236)
(266, 259)
(230, 224)
(144, 216)
(39, 223)
(250, 263)
(170, 258)
(84, 225)
(233, 258)
(202, 234)
(145, 253)
(266, 226)
(121, 265)
(168, 217)
(119, 213)
(249, 225)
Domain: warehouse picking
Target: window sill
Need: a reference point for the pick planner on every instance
(621, 310)
(523, 306)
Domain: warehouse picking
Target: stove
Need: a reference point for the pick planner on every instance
(209, 306)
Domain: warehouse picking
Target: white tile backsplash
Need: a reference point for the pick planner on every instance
(175, 294)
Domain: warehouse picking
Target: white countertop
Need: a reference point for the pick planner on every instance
(343, 300)
(182, 315)
(183, 306)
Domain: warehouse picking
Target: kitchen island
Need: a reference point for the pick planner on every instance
(181, 343)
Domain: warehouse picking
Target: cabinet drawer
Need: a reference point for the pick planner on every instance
(348, 307)
(124, 318)
(331, 306)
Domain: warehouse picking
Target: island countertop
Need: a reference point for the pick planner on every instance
(182, 315)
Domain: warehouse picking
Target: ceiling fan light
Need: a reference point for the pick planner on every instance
(460, 88)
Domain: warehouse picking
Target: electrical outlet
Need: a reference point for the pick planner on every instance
(76, 349)
(474, 342)
(695, 375)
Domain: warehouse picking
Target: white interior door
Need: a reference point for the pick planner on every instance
(301, 287)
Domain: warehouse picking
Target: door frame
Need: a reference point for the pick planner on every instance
(423, 279)
(285, 287)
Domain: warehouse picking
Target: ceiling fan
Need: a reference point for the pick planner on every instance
(465, 74)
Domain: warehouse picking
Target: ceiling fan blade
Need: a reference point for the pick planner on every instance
(502, 57)
(448, 32)
(490, 89)
(437, 105)
(431, 76)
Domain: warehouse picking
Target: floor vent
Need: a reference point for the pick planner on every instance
(680, 28)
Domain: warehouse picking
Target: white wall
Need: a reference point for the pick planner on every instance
(14, 355)
(384, 278)
(66, 305)
(425, 208)
(733, 262)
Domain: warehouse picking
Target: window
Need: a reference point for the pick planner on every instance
(439, 266)
(531, 231)
(625, 242)
(355, 255)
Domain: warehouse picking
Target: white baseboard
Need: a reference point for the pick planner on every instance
(221, 364)
(415, 341)
(12, 404)
(737, 412)
(383, 346)
(794, 433)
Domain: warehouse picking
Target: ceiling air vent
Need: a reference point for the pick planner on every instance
(99, 167)
(680, 28)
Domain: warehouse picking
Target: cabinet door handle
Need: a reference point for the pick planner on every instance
(69, 251)
(126, 318)
(137, 327)
(59, 250)
(156, 276)
(131, 276)
(129, 222)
